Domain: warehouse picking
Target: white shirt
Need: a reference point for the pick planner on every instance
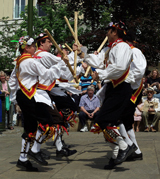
(138, 67)
(120, 57)
(29, 72)
(48, 60)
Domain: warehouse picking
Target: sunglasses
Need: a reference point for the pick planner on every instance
(149, 91)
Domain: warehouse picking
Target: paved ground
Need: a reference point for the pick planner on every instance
(87, 163)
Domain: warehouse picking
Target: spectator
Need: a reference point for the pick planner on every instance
(64, 50)
(154, 81)
(138, 116)
(89, 106)
(7, 78)
(151, 107)
(4, 87)
(85, 82)
(145, 86)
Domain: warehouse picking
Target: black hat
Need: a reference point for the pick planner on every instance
(118, 25)
(42, 36)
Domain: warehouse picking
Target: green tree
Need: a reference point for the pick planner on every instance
(7, 49)
(143, 17)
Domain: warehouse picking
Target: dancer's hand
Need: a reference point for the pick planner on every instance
(65, 59)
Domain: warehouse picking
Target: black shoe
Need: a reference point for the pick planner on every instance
(65, 152)
(65, 145)
(111, 164)
(44, 155)
(26, 166)
(123, 154)
(137, 156)
(37, 157)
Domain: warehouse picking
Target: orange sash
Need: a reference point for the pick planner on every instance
(137, 92)
(121, 79)
(48, 88)
(29, 93)
(41, 86)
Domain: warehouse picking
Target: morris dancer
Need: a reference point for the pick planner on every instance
(138, 67)
(23, 83)
(117, 89)
(44, 47)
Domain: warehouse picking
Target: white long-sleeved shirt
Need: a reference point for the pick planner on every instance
(120, 57)
(29, 72)
(48, 60)
(138, 67)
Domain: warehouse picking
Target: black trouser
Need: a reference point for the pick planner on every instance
(115, 102)
(34, 112)
(63, 102)
(128, 117)
(83, 116)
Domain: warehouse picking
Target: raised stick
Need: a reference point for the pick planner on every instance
(102, 44)
(99, 49)
(69, 48)
(87, 71)
(76, 40)
(62, 54)
(70, 28)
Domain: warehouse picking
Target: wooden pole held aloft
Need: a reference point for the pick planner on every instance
(62, 54)
(102, 44)
(70, 28)
(69, 48)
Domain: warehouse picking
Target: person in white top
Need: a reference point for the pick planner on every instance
(117, 89)
(35, 108)
(44, 48)
(138, 67)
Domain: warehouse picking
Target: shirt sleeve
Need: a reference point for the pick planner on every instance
(98, 102)
(120, 58)
(81, 101)
(52, 73)
(49, 60)
(138, 65)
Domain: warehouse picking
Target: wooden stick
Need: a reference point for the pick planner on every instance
(87, 71)
(54, 42)
(62, 54)
(76, 40)
(101, 46)
(69, 48)
(70, 28)
(99, 49)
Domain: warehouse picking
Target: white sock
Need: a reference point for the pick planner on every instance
(133, 138)
(123, 132)
(115, 149)
(36, 146)
(23, 156)
(122, 144)
(59, 143)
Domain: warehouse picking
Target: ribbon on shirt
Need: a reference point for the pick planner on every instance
(29, 93)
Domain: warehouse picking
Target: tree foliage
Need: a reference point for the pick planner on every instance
(143, 17)
(7, 49)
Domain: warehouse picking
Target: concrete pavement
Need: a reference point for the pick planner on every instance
(93, 153)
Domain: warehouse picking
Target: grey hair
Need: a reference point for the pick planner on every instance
(91, 88)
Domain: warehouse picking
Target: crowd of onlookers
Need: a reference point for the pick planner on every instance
(147, 111)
